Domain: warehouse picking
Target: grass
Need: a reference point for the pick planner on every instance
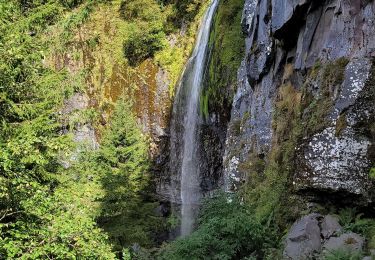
(341, 124)
(330, 76)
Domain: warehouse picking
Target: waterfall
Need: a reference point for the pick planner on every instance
(184, 128)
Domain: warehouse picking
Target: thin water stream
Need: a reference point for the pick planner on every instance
(186, 109)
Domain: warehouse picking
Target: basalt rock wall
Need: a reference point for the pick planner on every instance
(325, 51)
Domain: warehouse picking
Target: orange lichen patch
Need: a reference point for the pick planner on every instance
(146, 88)
(350, 241)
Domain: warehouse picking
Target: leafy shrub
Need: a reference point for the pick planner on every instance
(146, 33)
(142, 45)
(352, 221)
(227, 230)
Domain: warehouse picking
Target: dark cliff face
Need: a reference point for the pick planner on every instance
(324, 51)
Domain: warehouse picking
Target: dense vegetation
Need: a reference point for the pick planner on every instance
(43, 212)
(227, 230)
(55, 203)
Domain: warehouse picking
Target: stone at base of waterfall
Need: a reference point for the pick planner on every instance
(314, 234)
(303, 240)
(349, 241)
(330, 226)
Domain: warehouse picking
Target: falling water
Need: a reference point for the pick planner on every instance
(186, 111)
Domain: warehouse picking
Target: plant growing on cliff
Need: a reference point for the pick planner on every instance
(330, 75)
(372, 173)
(145, 26)
(224, 60)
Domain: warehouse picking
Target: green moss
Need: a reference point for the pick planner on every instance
(246, 117)
(236, 127)
(330, 76)
(372, 173)
(268, 191)
(226, 52)
(341, 124)
(333, 74)
(204, 105)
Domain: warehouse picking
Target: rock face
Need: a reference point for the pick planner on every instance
(72, 122)
(339, 160)
(250, 125)
(327, 51)
(83, 132)
(315, 235)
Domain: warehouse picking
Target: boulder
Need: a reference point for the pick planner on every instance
(349, 241)
(330, 226)
(303, 240)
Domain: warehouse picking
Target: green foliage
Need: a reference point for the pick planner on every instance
(356, 222)
(103, 202)
(181, 33)
(146, 35)
(142, 44)
(57, 225)
(224, 59)
(45, 212)
(341, 254)
(75, 19)
(227, 230)
(127, 213)
(71, 3)
(372, 173)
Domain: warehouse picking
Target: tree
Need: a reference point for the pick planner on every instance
(128, 209)
(42, 209)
